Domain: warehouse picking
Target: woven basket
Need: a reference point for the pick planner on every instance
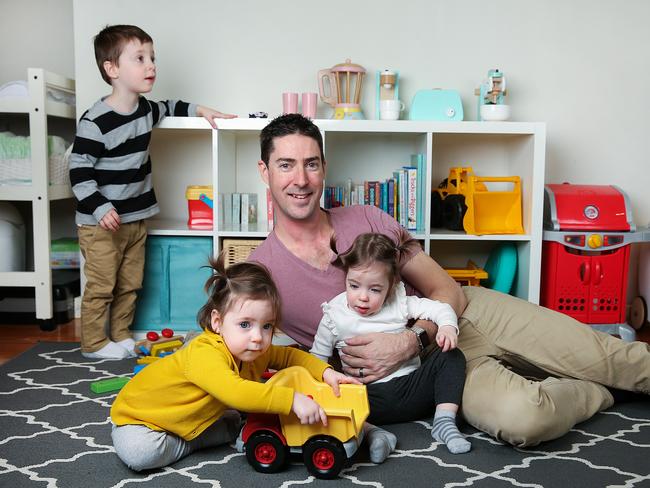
(238, 250)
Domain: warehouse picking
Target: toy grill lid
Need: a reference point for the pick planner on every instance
(586, 207)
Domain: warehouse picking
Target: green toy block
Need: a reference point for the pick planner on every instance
(111, 384)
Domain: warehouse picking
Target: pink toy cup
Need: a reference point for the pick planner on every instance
(309, 103)
(289, 103)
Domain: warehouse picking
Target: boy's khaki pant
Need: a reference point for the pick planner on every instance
(114, 267)
(498, 330)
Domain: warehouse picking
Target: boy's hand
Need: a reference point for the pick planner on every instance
(210, 114)
(307, 410)
(446, 338)
(334, 378)
(110, 221)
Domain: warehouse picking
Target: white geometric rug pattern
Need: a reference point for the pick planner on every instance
(56, 433)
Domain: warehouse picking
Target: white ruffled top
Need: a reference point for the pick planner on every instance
(339, 323)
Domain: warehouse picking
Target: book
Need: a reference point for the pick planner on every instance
(236, 209)
(270, 217)
(252, 208)
(227, 209)
(419, 162)
(411, 174)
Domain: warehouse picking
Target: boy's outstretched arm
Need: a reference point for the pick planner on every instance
(211, 114)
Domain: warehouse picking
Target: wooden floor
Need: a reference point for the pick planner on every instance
(16, 339)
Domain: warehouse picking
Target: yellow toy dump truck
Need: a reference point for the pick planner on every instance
(268, 439)
(463, 202)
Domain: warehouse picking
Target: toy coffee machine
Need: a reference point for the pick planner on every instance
(490, 97)
(387, 88)
(588, 230)
(342, 90)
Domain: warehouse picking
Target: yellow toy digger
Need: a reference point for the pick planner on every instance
(463, 202)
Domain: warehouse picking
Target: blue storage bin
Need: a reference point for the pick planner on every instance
(172, 290)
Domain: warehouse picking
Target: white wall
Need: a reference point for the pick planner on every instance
(35, 34)
(579, 66)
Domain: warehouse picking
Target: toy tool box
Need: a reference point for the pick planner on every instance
(200, 206)
(586, 252)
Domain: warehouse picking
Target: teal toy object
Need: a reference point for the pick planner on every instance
(436, 104)
(501, 267)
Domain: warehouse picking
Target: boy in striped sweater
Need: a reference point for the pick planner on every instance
(110, 173)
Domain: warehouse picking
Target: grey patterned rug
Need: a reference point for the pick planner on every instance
(56, 433)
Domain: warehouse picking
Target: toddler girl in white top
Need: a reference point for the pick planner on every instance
(375, 300)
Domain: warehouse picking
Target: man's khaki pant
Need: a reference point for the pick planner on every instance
(114, 267)
(500, 333)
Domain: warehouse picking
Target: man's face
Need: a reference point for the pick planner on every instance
(295, 176)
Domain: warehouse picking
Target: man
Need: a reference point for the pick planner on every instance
(574, 364)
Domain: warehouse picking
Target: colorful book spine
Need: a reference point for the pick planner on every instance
(270, 218)
(419, 162)
(411, 201)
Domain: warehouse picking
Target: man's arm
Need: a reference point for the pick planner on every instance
(427, 276)
(380, 354)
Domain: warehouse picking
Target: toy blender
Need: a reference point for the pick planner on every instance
(343, 89)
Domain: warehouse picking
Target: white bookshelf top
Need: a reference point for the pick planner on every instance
(392, 126)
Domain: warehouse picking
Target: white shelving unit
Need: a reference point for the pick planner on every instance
(361, 150)
(38, 108)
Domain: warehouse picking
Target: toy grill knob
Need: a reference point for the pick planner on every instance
(595, 241)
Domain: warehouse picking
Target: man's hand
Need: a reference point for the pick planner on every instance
(110, 221)
(334, 378)
(210, 114)
(307, 410)
(447, 338)
(378, 354)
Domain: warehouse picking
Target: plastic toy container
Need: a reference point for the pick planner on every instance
(200, 207)
(172, 290)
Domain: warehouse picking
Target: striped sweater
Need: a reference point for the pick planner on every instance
(110, 165)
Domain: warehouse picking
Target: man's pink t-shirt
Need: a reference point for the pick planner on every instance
(304, 288)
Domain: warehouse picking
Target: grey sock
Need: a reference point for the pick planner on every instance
(380, 442)
(445, 430)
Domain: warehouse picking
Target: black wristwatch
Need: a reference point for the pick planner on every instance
(421, 335)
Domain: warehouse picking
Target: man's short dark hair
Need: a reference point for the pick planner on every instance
(285, 125)
(110, 42)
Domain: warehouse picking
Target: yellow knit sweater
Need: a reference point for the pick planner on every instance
(186, 392)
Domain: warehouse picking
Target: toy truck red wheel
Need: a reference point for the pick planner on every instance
(266, 452)
(324, 457)
(453, 212)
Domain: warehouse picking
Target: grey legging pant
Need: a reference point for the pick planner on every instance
(575, 362)
(140, 447)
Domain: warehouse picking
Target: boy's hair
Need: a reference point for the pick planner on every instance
(111, 40)
(240, 280)
(374, 247)
(285, 125)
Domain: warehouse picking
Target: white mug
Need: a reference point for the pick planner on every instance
(390, 109)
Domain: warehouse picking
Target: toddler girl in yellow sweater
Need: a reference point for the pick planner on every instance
(188, 400)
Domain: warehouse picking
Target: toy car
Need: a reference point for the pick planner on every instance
(462, 202)
(268, 439)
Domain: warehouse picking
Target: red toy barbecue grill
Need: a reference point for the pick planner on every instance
(586, 253)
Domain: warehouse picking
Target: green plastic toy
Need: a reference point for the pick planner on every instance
(111, 384)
